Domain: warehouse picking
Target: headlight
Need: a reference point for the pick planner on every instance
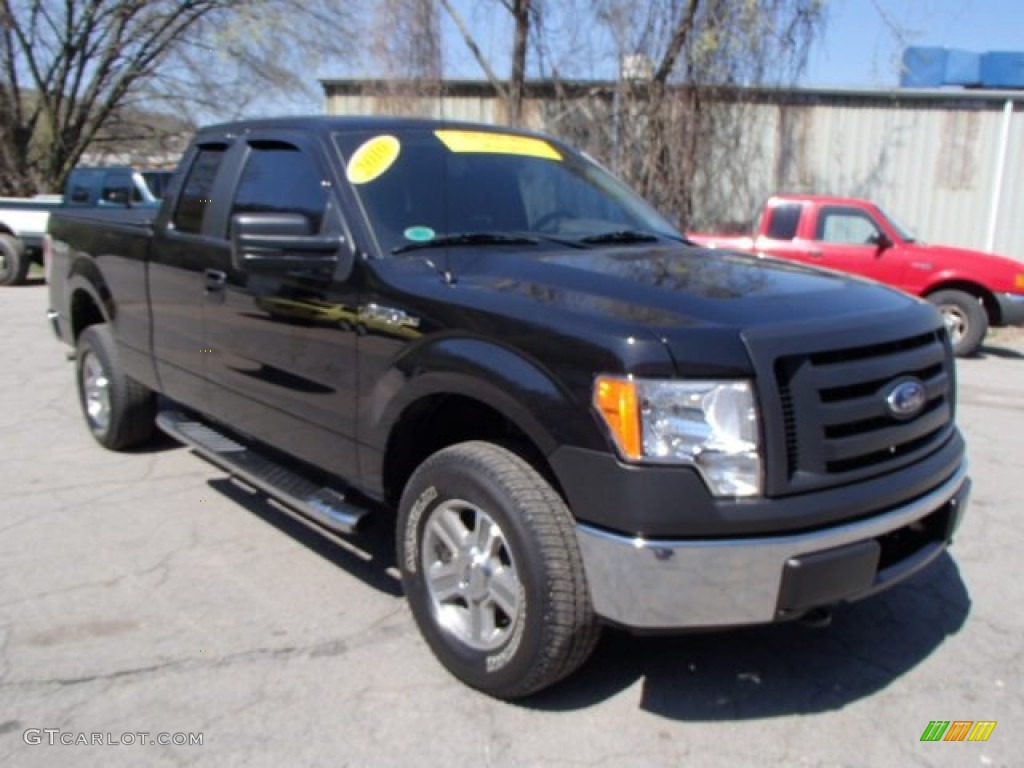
(712, 425)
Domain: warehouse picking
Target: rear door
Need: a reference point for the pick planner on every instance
(282, 345)
(186, 243)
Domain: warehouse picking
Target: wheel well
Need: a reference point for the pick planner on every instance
(988, 301)
(84, 312)
(5, 230)
(438, 421)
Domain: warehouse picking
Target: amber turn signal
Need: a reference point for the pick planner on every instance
(615, 399)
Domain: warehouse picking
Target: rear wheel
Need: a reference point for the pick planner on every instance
(493, 572)
(965, 318)
(118, 410)
(14, 262)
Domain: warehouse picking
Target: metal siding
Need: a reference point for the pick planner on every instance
(930, 163)
(1010, 225)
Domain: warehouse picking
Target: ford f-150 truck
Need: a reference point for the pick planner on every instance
(973, 289)
(577, 416)
(23, 220)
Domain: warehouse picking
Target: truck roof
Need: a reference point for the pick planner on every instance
(329, 123)
(794, 197)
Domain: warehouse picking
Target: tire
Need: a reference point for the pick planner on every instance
(118, 411)
(14, 262)
(966, 320)
(525, 585)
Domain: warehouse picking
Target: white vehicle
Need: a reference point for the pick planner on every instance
(23, 221)
(22, 230)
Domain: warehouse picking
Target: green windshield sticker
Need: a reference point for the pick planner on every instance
(419, 234)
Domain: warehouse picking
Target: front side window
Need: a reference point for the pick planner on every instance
(117, 190)
(845, 226)
(198, 188)
(281, 178)
(417, 185)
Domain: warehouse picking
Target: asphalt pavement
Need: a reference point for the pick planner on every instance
(145, 598)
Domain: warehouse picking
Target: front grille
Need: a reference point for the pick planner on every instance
(837, 424)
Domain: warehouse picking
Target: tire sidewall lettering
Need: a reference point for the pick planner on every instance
(412, 532)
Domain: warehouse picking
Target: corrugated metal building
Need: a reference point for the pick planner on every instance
(949, 164)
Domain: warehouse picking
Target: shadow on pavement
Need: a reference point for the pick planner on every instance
(368, 555)
(778, 670)
(1005, 352)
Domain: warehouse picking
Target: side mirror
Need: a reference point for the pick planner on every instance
(285, 242)
(881, 241)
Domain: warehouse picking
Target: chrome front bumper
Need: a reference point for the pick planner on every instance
(716, 583)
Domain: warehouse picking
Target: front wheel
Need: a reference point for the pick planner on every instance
(965, 320)
(493, 572)
(118, 410)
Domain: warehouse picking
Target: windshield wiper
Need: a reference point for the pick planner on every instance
(467, 238)
(621, 236)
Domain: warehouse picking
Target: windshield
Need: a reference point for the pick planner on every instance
(905, 234)
(420, 186)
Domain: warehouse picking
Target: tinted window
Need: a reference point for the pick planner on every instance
(117, 189)
(82, 183)
(157, 182)
(197, 189)
(79, 193)
(280, 178)
(784, 221)
(847, 226)
(446, 182)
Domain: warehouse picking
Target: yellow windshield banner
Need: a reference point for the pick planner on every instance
(497, 143)
(372, 159)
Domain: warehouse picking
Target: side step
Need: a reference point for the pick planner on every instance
(322, 505)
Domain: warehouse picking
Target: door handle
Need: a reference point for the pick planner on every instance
(815, 254)
(214, 280)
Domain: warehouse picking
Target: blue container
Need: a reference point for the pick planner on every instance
(923, 67)
(1002, 69)
(962, 68)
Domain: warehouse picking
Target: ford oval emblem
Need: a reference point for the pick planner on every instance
(906, 399)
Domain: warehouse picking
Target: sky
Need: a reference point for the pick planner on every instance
(864, 39)
(861, 45)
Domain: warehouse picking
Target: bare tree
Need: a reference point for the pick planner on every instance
(404, 49)
(676, 124)
(525, 14)
(69, 69)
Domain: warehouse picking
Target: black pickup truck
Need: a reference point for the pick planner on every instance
(577, 416)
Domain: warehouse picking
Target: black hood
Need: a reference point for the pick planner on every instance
(690, 297)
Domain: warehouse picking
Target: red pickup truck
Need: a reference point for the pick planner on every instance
(973, 289)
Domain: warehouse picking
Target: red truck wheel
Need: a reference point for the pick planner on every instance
(965, 319)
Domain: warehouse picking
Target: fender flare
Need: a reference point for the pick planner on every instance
(521, 390)
(85, 276)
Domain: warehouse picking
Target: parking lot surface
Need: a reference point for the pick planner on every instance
(147, 593)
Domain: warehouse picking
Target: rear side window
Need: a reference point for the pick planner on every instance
(281, 178)
(783, 222)
(82, 183)
(195, 194)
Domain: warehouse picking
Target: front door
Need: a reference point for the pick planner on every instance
(848, 239)
(282, 351)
